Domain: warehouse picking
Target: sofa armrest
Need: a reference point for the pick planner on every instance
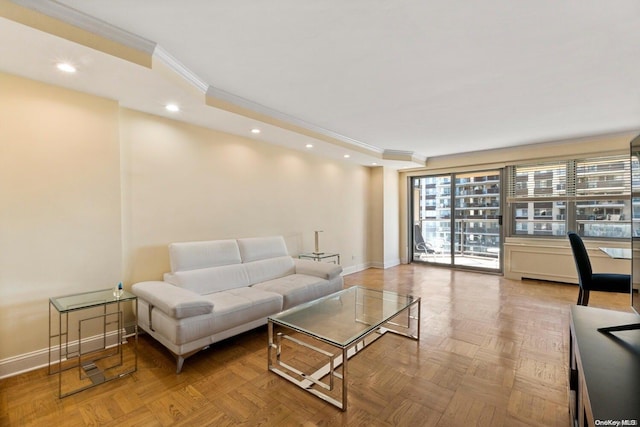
(176, 302)
(323, 270)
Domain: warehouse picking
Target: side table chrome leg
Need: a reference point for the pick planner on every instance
(50, 336)
(60, 349)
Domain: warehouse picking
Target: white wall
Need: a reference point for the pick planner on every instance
(182, 182)
(384, 250)
(376, 225)
(60, 224)
(391, 206)
(92, 194)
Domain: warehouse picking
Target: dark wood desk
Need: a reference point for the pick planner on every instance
(604, 374)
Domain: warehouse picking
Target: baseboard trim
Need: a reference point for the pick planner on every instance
(355, 268)
(37, 359)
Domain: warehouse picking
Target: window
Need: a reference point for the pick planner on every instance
(461, 222)
(589, 196)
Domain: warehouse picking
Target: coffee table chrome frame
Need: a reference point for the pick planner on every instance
(337, 359)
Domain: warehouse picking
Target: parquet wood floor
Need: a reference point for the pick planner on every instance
(493, 352)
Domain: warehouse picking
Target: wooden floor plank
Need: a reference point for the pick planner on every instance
(493, 352)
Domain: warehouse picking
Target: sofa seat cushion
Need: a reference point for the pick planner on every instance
(295, 288)
(242, 305)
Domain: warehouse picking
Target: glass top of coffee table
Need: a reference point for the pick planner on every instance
(345, 316)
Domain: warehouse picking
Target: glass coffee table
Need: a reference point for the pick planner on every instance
(311, 343)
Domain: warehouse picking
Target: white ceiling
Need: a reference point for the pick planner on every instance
(425, 77)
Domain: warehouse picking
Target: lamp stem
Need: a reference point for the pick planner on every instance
(317, 251)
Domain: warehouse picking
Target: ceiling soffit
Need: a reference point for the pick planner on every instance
(71, 24)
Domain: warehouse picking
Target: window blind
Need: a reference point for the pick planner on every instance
(609, 176)
(589, 195)
(538, 182)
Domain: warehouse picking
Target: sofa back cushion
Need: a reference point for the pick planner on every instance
(213, 279)
(218, 265)
(257, 248)
(269, 269)
(196, 255)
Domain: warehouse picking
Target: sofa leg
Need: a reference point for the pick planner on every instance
(179, 364)
(180, 358)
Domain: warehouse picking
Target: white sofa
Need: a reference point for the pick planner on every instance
(217, 289)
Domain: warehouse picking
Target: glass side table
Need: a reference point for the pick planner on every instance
(333, 257)
(92, 353)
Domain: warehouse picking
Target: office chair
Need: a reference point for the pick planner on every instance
(589, 281)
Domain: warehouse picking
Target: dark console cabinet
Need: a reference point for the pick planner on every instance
(604, 369)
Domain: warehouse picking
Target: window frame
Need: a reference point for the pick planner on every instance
(570, 182)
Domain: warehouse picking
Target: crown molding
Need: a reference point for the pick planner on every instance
(246, 105)
(222, 99)
(88, 23)
(407, 156)
(177, 67)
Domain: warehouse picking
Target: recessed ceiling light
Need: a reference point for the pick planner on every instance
(172, 107)
(309, 145)
(66, 67)
(346, 156)
(374, 163)
(255, 131)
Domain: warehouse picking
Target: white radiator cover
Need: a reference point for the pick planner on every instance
(551, 259)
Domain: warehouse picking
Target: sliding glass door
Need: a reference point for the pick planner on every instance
(432, 219)
(457, 219)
